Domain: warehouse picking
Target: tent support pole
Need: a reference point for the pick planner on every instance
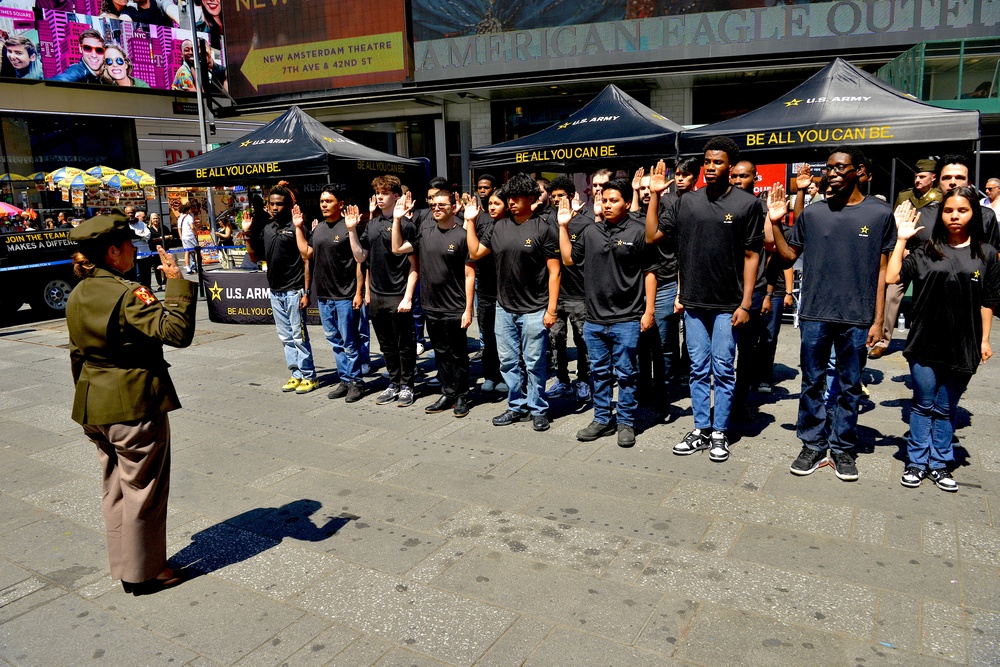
(892, 182)
(979, 150)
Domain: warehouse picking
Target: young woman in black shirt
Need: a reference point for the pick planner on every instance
(956, 281)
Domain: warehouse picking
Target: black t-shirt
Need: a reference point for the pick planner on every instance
(285, 269)
(947, 327)
(521, 252)
(774, 273)
(486, 268)
(571, 286)
(712, 237)
(928, 217)
(334, 269)
(841, 250)
(663, 255)
(388, 271)
(615, 260)
(442, 256)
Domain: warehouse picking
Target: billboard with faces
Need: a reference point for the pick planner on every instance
(114, 43)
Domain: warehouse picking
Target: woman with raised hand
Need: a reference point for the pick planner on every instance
(956, 282)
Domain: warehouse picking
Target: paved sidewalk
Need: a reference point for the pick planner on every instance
(362, 534)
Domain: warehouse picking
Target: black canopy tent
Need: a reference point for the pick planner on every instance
(293, 146)
(840, 104)
(613, 128)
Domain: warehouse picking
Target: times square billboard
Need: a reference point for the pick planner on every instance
(109, 43)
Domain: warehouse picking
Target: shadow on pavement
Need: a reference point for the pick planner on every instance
(246, 535)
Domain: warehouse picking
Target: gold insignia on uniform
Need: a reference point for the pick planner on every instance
(864, 230)
(216, 291)
(144, 295)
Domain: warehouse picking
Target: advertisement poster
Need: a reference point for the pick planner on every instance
(104, 43)
(302, 46)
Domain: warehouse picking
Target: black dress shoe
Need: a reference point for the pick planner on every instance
(461, 406)
(156, 585)
(540, 423)
(509, 417)
(443, 403)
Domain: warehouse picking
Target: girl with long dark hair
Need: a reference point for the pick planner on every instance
(956, 282)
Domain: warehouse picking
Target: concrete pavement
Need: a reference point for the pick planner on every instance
(335, 534)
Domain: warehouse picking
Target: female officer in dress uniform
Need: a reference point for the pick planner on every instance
(117, 330)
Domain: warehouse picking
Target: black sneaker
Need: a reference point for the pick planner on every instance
(509, 417)
(807, 461)
(355, 392)
(943, 479)
(339, 391)
(594, 430)
(461, 407)
(443, 403)
(695, 441)
(718, 447)
(626, 435)
(540, 423)
(843, 466)
(912, 477)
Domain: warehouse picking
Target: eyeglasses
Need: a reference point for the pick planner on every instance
(840, 168)
(87, 48)
(441, 206)
(114, 61)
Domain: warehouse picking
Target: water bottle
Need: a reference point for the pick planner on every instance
(901, 325)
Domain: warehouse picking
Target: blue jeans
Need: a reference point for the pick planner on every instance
(819, 426)
(711, 344)
(340, 324)
(769, 339)
(936, 392)
(523, 335)
(613, 348)
(667, 324)
(292, 333)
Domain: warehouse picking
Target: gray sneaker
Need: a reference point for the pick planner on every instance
(405, 398)
(388, 395)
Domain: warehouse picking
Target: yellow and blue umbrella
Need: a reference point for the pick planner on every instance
(61, 173)
(135, 174)
(119, 182)
(79, 181)
(101, 171)
(13, 178)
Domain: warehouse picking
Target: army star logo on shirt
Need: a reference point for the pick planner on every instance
(527, 243)
(572, 237)
(864, 232)
(336, 238)
(620, 242)
(975, 276)
(451, 247)
(729, 218)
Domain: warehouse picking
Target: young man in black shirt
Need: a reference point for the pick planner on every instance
(337, 283)
(749, 369)
(526, 249)
(571, 310)
(391, 281)
(719, 232)
(447, 287)
(620, 299)
(844, 242)
(288, 277)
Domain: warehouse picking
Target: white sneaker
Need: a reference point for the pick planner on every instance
(420, 349)
(718, 450)
(582, 392)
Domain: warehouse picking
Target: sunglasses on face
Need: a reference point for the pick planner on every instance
(840, 168)
(87, 48)
(441, 206)
(114, 61)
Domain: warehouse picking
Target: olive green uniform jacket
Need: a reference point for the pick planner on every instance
(117, 329)
(919, 201)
